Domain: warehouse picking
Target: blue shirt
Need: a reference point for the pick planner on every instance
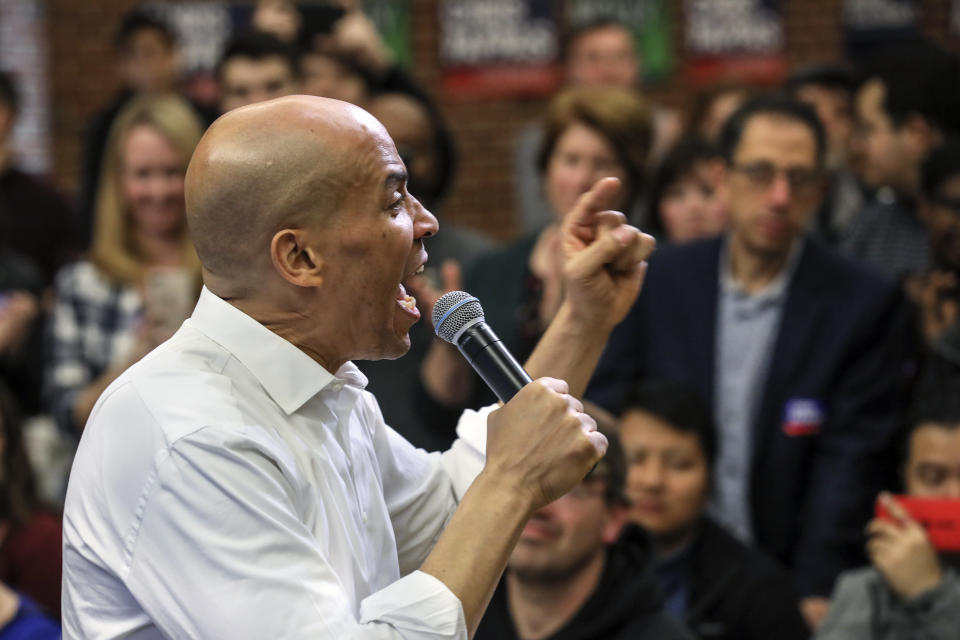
(30, 623)
(747, 328)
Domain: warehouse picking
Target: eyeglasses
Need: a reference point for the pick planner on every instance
(762, 174)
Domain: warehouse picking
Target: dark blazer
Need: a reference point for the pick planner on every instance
(842, 348)
(738, 592)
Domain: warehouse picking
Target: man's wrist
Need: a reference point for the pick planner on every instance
(928, 585)
(505, 494)
(583, 323)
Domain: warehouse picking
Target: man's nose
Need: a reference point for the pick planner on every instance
(952, 487)
(780, 193)
(425, 223)
(650, 474)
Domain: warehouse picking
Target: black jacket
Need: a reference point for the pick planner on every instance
(738, 593)
(625, 605)
(842, 346)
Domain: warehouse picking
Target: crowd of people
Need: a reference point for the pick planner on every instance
(792, 362)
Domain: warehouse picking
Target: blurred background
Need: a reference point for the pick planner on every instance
(491, 65)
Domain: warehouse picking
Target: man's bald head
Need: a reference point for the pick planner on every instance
(269, 166)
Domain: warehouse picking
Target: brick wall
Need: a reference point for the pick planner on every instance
(82, 80)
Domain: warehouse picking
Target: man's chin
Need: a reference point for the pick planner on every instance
(398, 347)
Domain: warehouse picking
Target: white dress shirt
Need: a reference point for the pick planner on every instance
(228, 486)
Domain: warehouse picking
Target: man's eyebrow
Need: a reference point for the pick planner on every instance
(395, 179)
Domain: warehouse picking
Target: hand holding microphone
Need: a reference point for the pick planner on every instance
(541, 439)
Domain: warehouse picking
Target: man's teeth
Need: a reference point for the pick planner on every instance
(408, 302)
(418, 271)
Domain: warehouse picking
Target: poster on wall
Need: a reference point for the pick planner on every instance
(734, 40)
(23, 53)
(498, 48)
(867, 23)
(392, 20)
(202, 29)
(647, 20)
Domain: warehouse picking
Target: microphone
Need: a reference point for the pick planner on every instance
(458, 319)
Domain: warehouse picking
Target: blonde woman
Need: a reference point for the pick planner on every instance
(142, 273)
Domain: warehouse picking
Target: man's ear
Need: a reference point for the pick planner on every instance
(294, 259)
(616, 519)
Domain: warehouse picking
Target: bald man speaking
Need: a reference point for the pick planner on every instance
(238, 482)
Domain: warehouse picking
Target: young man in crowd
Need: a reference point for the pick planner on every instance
(797, 350)
(569, 577)
(936, 292)
(829, 90)
(909, 590)
(35, 220)
(719, 587)
(36, 238)
(908, 103)
(147, 59)
(255, 67)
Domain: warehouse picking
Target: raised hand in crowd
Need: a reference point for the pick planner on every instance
(902, 552)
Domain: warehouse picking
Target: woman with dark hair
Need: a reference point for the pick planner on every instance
(589, 134)
(30, 540)
(685, 200)
(710, 108)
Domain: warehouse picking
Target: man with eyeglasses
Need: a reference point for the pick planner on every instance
(576, 574)
(799, 351)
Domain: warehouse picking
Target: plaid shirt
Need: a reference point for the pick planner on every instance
(91, 328)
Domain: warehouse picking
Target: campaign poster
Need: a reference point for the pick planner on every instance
(23, 54)
(392, 19)
(867, 23)
(734, 40)
(498, 48)
(647, 20)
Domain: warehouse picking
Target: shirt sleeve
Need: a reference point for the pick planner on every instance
(67, 372)
(421, 489)
(220, 551)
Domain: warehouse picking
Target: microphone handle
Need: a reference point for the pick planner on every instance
(492, 361)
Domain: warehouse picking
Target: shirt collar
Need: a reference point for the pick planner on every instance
(777, 288)
(288, 375)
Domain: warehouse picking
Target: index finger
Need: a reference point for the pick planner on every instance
(895, 509)
(580, 222)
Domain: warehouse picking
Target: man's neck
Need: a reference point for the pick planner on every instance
(754, 270)
(540, 609)
(289, 325)
(676, 541)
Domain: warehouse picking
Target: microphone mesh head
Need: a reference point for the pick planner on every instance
(454, 312)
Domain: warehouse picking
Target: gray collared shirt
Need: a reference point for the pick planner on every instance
(747, 328)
